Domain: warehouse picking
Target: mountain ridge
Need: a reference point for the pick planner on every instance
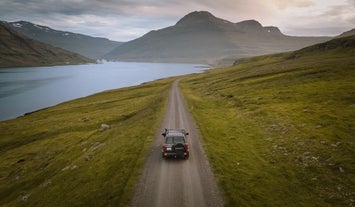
(200, 37)
(197, 18)
(91, 47)
(17, 50)
(347, 33)
(342, 43)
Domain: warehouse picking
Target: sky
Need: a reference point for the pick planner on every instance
(124, 20)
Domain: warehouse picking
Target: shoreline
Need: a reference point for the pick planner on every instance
(51, 86)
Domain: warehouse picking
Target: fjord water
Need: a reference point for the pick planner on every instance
(24, 90)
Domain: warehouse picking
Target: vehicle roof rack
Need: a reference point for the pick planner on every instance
(167, 131)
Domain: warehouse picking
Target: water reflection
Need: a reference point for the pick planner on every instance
(28, 89)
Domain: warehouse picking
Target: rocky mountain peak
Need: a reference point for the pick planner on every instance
(273, 30)
(249, 26)
(199, 17)
(29, 25)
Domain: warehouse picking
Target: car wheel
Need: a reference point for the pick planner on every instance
(187, 156)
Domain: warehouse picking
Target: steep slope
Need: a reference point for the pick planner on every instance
(279, 131)
(203, 38)
(18, 50)
(192, 39)
(335, 47)
(91, 47)
(348, 33)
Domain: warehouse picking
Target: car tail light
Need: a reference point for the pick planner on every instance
(163, 147)
(187, 146)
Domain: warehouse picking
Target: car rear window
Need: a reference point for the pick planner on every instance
(174, 140)
(178, 140)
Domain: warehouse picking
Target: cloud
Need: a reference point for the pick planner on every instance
(124, 20)
(119, 20)
(322, 18)
(282, 4)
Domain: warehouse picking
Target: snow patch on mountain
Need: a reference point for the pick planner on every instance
(17, 25)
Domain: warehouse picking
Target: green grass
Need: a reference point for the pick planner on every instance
(279, 129)
(59, 157)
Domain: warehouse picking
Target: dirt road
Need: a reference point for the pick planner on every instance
(177, 182)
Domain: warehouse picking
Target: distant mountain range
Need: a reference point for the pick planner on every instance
(200, 37)
(91, 47)
(18, 50)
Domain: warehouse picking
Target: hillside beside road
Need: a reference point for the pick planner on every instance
(17, 50)
(85, 152)
(200, 37)
(90, 47)
(279, 129)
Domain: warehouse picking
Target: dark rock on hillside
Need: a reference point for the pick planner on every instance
(18, 50)
(91, 47)
(200, 37)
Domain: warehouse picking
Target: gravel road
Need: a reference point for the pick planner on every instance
(175, 182)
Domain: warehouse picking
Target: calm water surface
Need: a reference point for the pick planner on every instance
(23, 90)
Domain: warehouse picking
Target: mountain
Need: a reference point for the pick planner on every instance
(200, 37)
(91, 47)
(17, 50)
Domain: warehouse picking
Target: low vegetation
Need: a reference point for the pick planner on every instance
(86, 152)
(279, 129)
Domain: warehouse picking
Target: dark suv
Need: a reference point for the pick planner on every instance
(175, 144)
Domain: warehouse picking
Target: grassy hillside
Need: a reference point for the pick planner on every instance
(279, 129)
(60, 157)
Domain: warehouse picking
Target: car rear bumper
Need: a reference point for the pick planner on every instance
(167, 154)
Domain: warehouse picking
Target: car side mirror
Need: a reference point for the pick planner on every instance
(163, 134)
(186, 133)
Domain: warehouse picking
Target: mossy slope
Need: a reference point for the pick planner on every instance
(279, 129)
(59, 156)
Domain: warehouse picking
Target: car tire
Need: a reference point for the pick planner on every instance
(187, 156)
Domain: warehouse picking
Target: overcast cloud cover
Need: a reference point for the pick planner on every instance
(124, 20)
